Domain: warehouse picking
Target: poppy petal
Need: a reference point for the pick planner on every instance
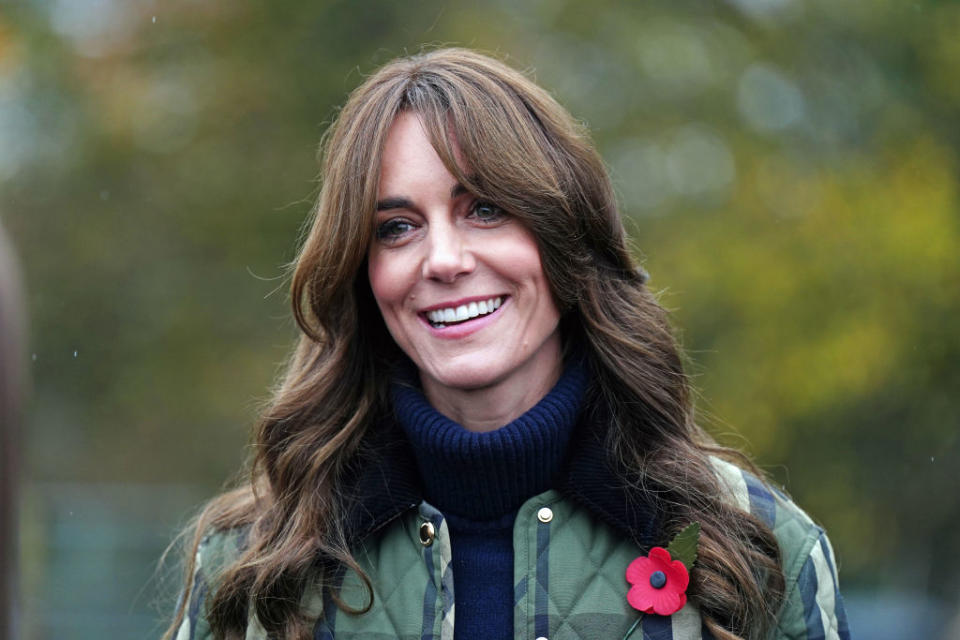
(679, 575)
(666, 602)
(659, 555)
(639, 598)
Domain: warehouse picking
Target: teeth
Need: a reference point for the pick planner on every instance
(441, 317)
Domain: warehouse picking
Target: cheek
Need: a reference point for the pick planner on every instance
(521, 259)
(392, 279)
(526, 260)
(383, 279)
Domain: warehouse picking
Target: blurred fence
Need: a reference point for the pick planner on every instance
(91, 554)
(901, 615)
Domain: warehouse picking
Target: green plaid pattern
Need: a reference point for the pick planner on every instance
(569, 577)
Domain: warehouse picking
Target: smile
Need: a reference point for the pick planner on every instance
(440, 318)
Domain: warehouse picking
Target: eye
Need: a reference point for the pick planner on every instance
(487, 211)
(393, 229)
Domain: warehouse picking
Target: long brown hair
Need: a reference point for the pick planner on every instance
(528, 155)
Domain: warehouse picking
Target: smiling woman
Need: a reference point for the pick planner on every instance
(486, 419)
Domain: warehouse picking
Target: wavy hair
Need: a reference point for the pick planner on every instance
(527, 154)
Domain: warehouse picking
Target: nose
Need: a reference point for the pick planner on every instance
(448, 256)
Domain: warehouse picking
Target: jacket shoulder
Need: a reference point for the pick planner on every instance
(220, 548)
(217, 550)
(795, 531)
(812, 605)
(749, 493)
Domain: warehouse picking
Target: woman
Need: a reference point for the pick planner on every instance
(486, 420)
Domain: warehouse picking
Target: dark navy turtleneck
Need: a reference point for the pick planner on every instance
(479, 480)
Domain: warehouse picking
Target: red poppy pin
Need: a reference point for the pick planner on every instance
(659, 579)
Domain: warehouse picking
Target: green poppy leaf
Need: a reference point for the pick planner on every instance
(683, 547)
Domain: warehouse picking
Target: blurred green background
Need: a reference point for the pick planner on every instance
(790, 173)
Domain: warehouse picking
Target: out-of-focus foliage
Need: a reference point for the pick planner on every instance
(789, 170)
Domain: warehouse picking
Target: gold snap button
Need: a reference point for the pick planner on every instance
(545, 515)
(427, 534)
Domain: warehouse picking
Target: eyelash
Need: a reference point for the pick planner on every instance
(388, 231)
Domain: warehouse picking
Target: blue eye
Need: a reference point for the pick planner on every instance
(393, 228)
(487, 212)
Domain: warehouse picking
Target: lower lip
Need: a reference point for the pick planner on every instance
(463, 329)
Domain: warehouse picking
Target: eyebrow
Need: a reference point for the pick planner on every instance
(400, 202)
(394, 203)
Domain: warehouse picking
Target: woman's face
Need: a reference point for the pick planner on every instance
(459, 282)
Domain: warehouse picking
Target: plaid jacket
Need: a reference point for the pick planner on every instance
(571, 548)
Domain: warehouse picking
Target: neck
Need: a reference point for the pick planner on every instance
(488, 408)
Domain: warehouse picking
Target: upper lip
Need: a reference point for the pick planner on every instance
(453, 304)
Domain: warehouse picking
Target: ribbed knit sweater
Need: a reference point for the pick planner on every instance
(478, 481)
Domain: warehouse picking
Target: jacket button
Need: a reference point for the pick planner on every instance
(427, 534)
(545, 515)
(542, 638)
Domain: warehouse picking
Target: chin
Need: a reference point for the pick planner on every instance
(465, 378)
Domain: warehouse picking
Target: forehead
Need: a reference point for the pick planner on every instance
(409, 160)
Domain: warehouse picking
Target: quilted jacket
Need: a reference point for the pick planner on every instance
(571, 545)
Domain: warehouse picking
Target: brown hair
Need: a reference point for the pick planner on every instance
(525, 153)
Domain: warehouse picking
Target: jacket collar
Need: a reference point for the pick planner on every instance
(385, 483)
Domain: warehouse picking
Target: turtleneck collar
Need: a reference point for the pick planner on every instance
(487, 475)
